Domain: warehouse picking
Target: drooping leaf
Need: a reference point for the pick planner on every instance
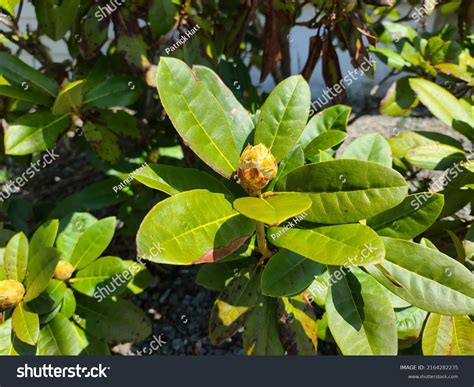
(261, 336)
(448, 335)
(283, 116)
(192, 227)
(173, 180)
(92, 243)
(197, 116)
(288, 274)
(15, 259)
(34, 132)
(344, 191)
(348, 244)
(25, 325)
(425, 278)
(370, 147)
(360, 316)
(117, 321)
(410, 218)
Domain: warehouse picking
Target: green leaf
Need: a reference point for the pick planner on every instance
(370, 147)
(294, 160)
(448, 335)
(50, 298)
(41, 267)
(318, 289)
(34, 132)
(406, 140)
(225, 321)
(5, 337)
(116, 91)
(15, 259)
(25, 325)
(431, 156)
(261, 335)
(347, 244)
(141, 277)
(299, 327)
(273, 209)
(9, 5)
(162, 15)
(288, 274)
(360, 316)
(21, 94)
(68, 306)
(240, 120)
(345, 191)
(120, 122)
(410, 323)
(283, 116)
(425, 278)
(59, 338)
(71, 228)
(55, 18)
(69, 99)
(390, 57)
(333, 118)
(96, 278)
(442, 104)
(410, 218)
(93, 242)
(44, 236)
(243, 289)
(399, 100)
(173, 180)
(116, 321)
(18, 72)
(324, 141)
(192, 227)
(103, 141)
(197, 116)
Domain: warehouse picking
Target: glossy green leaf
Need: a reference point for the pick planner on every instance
(5, 337)
(34, 132)
(68, 307)
(59, 338)
(21, 94)
(360, 316)
(70, 229)
(172, 180)
(448, 335)
(44, 236)
(69, 99)
(161, 15)
(117, 321)
(402, 142)
(25, 325)
(50, 298)
(344, 191)
(197, 116)
(348, 244)
(239, 118)
(103, 141)
(294, 160)
(93, 242)
(261, 333)
(56, 18)
(324, 141)
(101, 275)
(288, 274)
(425, 278)
(431, 156)
(192, 227)
(243, 289)
(370, 147)
(410, 323)
(299, 327)
(41, 265)
(15, 259)
(399, 100)
(332, 118)
(9, 6)
(283, 116)
(120, 123)
(116, 91)
(390, 58)
(20, 74)
(273, 209)
(410, 218)
(318, 289)
(141, 277)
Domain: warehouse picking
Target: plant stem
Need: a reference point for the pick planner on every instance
(262, 241)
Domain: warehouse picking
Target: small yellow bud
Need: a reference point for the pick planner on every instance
(63, 271)
(11, 293)
(257, 167)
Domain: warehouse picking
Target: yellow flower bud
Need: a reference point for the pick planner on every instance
(11, 293)
(257, 167)
(63, 271)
